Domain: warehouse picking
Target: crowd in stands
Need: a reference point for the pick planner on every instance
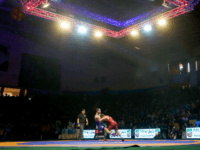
(42, 117)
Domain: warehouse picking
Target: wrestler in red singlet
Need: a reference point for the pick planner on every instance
(113, 124)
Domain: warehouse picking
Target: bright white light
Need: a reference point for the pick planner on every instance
(162, 22)
(147, 27)
(27, 7)
(188, 67)
(82, 29)
(168, 68)
(134, 32)
(181, 67)
(46, 5)
(98, 34)
(196, 65)
(64, 25)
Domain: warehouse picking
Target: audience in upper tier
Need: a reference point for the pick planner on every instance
(44, 116)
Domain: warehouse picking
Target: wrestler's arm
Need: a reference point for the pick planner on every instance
(102, 119)
(97, 119)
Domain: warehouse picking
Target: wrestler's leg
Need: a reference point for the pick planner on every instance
(118, 133)
(107, 131)
(116, 130)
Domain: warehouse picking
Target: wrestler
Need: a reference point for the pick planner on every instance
(113, 124)
(100, 124)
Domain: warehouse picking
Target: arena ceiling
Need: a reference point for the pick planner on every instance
(178, 40)
(116, 9)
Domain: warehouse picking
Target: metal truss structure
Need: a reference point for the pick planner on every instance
(137, 23)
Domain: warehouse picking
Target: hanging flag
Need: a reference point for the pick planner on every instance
(17, 14)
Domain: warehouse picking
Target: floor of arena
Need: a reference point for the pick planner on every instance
(69, 144)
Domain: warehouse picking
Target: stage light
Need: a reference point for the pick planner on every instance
(98, 34)
(82, 29)
(147, 27)
(162, 22)
(65, 25)
(28, 8)
(46, 5)
(134, 33)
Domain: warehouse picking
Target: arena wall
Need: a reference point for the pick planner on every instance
(81, 64)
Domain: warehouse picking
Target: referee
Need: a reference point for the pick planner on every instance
(81, 121)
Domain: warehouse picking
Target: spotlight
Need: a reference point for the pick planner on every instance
(98, 34)
(28, 8)
(134, 33)
(162, 22)
(82, 29)
(65, 25)
(46, 5)
(147, 27)
(166, 5)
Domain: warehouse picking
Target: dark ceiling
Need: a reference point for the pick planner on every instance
(117, 9)
(180, 39)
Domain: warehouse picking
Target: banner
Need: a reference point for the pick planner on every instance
(146, 133)
(193, 133)
(88, 134)
(125, 133)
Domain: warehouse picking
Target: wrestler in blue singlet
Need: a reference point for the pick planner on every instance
(99, 126)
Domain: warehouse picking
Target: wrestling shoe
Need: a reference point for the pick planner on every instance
(114, 134)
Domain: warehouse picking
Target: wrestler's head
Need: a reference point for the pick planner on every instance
(98, 110)
(102, 115)
(83, 111)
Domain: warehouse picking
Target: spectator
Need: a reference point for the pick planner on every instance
(133, 133)
(179, 134)
(2, 135)
(187, 106)
(183, 134)
(123, 122)
(57, 131)
(159, 136)
(171, 122)
(169, 132)
(131, 124)
(185, 118)
(173, 111)
(52, 132)
(43, 131)
(69, 126)
(58, 123)
(48, 128)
